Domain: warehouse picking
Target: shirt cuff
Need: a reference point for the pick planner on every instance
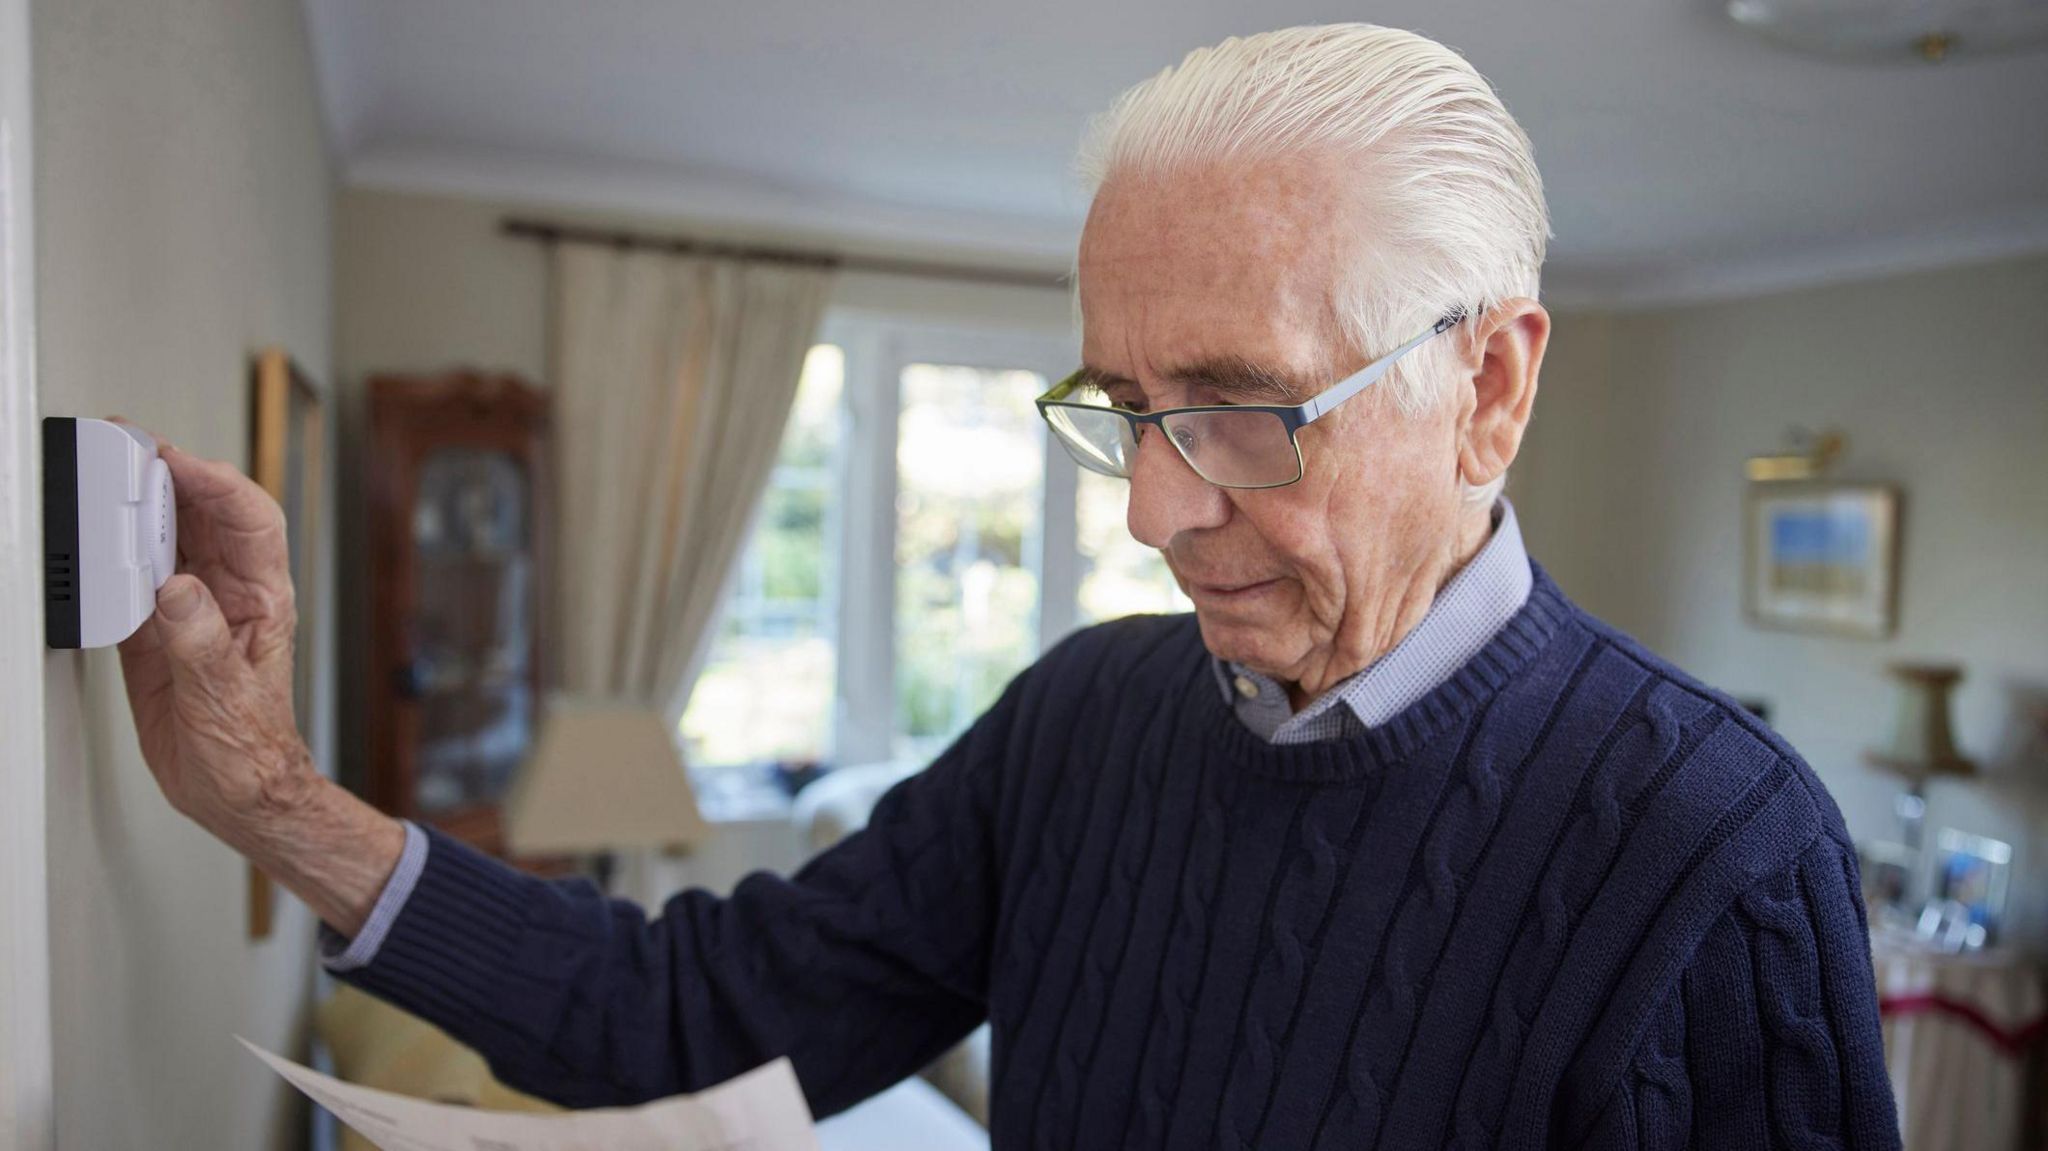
(339, 954)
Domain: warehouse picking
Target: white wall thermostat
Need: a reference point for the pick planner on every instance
(110, 530)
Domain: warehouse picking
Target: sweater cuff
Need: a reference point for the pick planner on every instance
(340, 953)
(451, 943)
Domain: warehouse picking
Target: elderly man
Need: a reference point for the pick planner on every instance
(1389, 844)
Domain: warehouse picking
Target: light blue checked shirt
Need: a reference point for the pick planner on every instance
(1476, 604)
(342, 954)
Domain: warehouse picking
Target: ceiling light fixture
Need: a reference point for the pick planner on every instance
(1882, 31)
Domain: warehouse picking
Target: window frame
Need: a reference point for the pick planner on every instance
(860, 602)
(878, 347)
(831, 601)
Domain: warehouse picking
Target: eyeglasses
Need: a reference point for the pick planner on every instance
(1229, 445)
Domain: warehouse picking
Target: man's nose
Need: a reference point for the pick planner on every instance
(1167, 497)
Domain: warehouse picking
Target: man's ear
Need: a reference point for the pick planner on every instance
(1509, 345)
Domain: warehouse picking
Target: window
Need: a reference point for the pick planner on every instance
(970, 478)
(920, 541)
(766, 690)
(1120, 576)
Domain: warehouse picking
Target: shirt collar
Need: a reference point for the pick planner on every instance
(1477, 602)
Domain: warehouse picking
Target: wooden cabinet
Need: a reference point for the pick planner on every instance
(458, 509)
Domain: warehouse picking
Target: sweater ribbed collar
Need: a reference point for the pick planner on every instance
(1450, 703)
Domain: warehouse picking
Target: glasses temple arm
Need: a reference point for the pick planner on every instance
(1370, 374)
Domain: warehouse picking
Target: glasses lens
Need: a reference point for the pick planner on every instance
(1238, 449)
(1098, 439)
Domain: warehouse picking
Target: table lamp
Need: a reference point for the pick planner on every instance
(604, 776)
(1923, 740)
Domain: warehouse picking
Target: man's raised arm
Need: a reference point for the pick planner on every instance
(210, 682)
(861, 968)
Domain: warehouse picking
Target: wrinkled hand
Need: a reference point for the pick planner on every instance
(210, 673)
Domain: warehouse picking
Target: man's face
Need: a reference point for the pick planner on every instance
(1186, 283)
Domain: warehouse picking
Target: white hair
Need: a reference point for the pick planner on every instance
(1458, 217)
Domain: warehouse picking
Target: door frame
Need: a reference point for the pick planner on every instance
(26, 1075)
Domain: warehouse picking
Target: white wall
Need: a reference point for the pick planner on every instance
(1631, 490)
(25, 1072)
(183, 199)
(425, 282)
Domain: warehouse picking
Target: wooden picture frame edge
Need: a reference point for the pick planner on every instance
(275, 375)
(1893, 497)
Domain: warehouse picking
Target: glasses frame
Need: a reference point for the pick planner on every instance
(1294, 416)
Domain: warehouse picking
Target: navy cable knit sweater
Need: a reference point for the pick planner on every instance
(1570, 898)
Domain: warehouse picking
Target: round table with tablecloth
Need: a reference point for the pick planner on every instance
(1962, 1039)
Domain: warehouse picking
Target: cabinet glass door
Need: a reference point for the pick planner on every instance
(469, 676)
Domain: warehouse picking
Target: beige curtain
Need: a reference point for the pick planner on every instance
(673, 377)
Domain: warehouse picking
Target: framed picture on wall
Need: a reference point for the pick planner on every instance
(1822, 557)
(287, 459)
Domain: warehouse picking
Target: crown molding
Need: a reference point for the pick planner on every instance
(1648, 287)
(340, 48)
(735, 204)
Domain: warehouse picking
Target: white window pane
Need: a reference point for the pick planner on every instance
(1119, 575)
(970, 474)
(765, 693)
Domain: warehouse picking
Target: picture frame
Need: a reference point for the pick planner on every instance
(1887, 868)
(1973, 871)
(1822, 556)
(288, 459)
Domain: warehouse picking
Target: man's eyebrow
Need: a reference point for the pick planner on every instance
(1241, 379)
(1229, 376)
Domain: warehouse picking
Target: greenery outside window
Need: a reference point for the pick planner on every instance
(920, 541)
(766, 690)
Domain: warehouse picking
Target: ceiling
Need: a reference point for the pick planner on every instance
(1683, 158)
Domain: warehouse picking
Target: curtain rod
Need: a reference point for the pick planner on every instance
(544, 232)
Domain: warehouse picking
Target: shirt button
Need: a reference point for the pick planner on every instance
(1246, 688)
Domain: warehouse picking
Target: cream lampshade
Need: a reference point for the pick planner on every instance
(1923, 741)
(604, 775)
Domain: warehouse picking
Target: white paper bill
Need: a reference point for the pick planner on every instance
(762, 1110)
